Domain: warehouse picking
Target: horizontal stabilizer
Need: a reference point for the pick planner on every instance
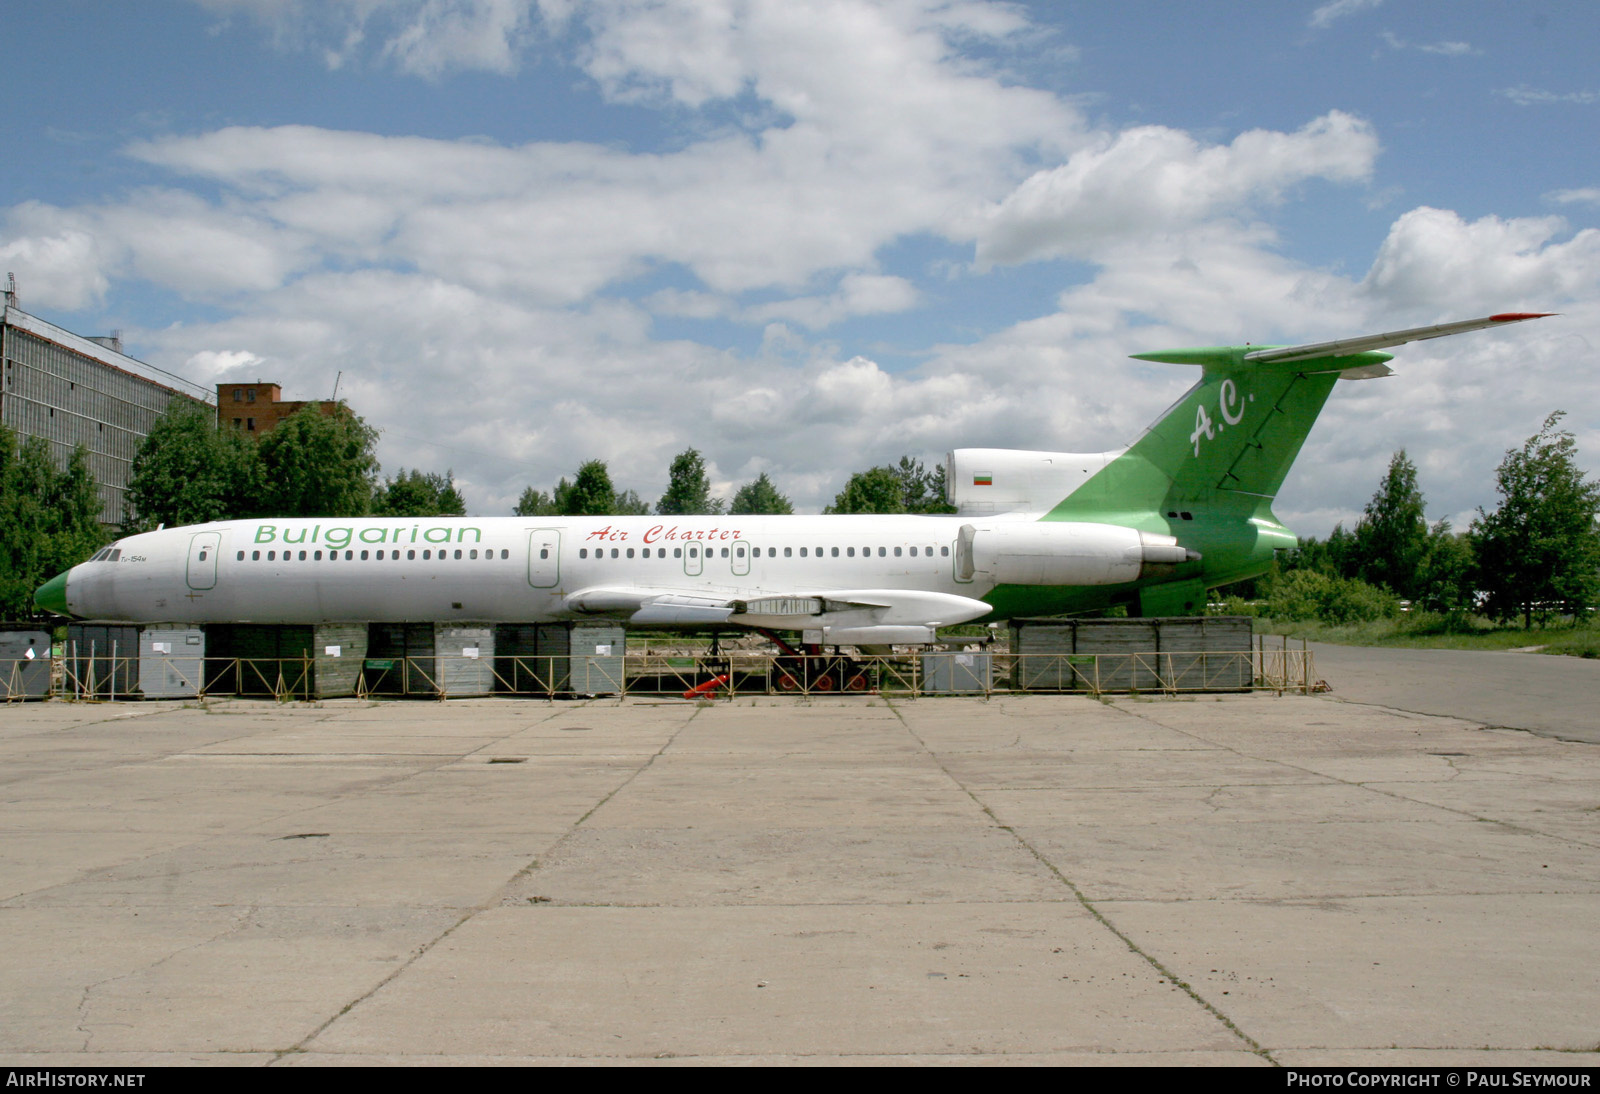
(1358, 357)
(1347, 347)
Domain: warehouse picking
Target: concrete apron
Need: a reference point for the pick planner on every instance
(1042, 879)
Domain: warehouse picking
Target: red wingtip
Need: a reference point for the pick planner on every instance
(1519, 316)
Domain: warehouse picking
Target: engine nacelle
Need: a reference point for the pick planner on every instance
(1065, 553)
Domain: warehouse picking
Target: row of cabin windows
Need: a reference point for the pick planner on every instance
(772, 552)
(350, 556)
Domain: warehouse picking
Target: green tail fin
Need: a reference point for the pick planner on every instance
(1232, 437)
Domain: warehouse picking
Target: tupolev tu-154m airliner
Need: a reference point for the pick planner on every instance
(1185, 508)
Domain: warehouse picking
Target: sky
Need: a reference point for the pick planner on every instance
(810, 236)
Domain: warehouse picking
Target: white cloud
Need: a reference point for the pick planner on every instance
(858, 294)
(1157, 179)
(1588, 194)
(470, 292)
(427, 38)
(1433, 259)
(213, 366)
(56, 256)
(1327, 14)
(1450, 49)
(1442, 49)
(1523, 95)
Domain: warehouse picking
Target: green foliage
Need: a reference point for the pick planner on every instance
(905, 488)
(1305, 595)
(536, 503)
(758, 497)
(923, 490)
(1238, 605)
(48, 519)
(72, 516)
(189, 472)
(876, 490)
(688, 490)
(1391, 541)
(630, 504)
(1538, 553)
(1445, 580)
(419, 494)
(318, 465)
(589, 494)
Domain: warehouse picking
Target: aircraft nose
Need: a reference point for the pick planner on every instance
(52, 595)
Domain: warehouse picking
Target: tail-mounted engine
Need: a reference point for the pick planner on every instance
(1065, 553)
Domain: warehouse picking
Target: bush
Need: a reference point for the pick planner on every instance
(1309, 595)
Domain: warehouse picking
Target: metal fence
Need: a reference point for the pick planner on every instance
(97, 678)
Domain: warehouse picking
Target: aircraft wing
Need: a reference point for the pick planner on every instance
(661, 606)
(1345, 347)
(810, 609)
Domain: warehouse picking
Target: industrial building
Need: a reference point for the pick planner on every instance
(258, 408)
(71, 390)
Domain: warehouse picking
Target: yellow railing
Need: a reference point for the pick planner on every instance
(704, 676)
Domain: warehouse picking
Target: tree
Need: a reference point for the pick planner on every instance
(419, 494)
(875, 490)
(630, 504)
(72, 516)
(1391, 541)
(48, 519)
(319, 465)
(923, 490)
(536, 503)
(1539, 552)
(1444, 581)
(688, 491)
(905, 488)
(759, 496)
(187, 471)
(591, 492)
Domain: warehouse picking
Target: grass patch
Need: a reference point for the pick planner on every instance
(1432, 631)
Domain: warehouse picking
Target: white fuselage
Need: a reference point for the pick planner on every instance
(877, 579)
(498, 568)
